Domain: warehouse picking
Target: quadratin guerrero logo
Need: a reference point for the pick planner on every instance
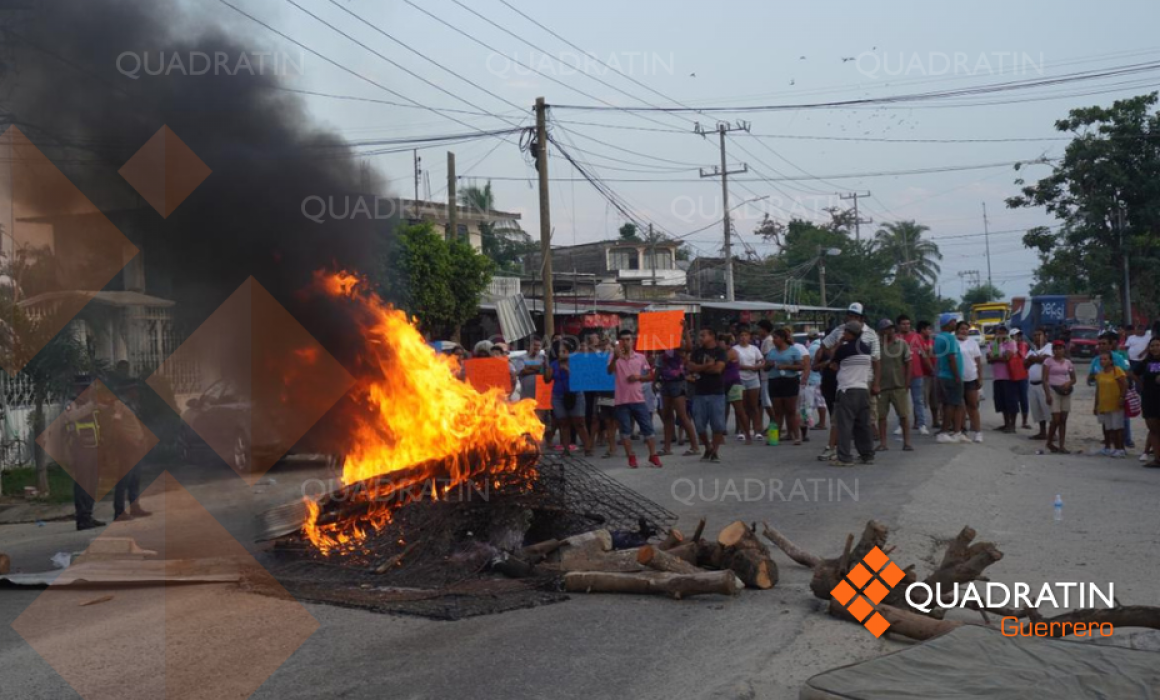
(872, 578)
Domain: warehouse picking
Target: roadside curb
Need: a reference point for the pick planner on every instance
(21, 513)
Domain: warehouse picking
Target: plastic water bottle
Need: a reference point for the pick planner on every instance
(1058, 508)
(772, 436)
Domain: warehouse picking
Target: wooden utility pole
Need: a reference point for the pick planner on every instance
(545, 215)
(653, 243)
(452, 208)
(418, 160)
(987, 243)
(858, 220)
(822, 273)
(723, 172)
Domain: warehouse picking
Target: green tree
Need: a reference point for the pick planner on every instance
(1110, 173)
(628, 232)
(913, 256)
(506, 253)
(438, 281)
(980, 295)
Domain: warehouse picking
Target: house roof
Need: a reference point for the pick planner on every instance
(108, 298)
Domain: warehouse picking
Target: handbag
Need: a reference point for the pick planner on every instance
(1132, 403)
(1061, 391)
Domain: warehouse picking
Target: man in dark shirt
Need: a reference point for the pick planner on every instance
(708, 362)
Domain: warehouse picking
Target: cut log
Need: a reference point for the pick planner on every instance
(904, 622)
(622, 560)
(655, 558)
(710, 555)
(699, 531)
(674, 585)
(686, 551)
(733, 533)
(756, 570)
(791, 550)
(535, 553)
(671, 540)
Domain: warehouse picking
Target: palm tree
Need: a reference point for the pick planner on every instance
(913, 255)
(477, 199)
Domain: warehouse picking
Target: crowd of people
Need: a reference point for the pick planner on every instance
(845, 384)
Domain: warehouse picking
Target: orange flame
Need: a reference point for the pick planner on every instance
(414, 415)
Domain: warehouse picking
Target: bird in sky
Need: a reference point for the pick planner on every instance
(692, 75)
(791, 82)
(847, 59)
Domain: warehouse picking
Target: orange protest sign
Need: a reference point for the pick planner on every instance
(543, 394)
(485, 373)
(660, 330)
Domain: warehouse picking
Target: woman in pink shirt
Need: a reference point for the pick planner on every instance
(1058, 382)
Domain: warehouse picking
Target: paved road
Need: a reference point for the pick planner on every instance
(759, 645)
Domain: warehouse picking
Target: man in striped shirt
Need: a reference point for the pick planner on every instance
(855, 362)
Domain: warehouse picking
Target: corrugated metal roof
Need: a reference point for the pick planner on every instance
(515, 321)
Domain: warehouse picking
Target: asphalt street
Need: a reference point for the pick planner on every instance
(762, 644)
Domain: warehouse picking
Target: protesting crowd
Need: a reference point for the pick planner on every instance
(848, 385)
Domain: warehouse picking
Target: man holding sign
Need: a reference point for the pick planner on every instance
(631, 369)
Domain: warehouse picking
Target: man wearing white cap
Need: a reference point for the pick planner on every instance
(856, 313)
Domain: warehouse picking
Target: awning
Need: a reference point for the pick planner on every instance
(765, 306)
(515, 321)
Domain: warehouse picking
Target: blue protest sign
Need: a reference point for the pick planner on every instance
(590, 372)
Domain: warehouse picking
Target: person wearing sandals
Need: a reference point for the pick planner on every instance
(751, 363)
(674, 404)
(1148, 379)
(1058, 386)
(567, 405)
(785, 363)
(1111, 389)
(632, 371)
(734, 390)
(972, 377)
(893, 384)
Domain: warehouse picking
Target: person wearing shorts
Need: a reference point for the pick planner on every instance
(568, 407)
(972, 377)
(1111, 389)
(786, 364)
(632, 370)
(674, 401)
(751, 363)
(1058, 384)
(707, 362)
(949, 359)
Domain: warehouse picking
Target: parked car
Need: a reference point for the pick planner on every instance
(223, 418)
(1084, 340)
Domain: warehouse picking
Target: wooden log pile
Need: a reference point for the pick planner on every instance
(675, 566)
(964, 561)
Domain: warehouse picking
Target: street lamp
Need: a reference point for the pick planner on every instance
(822, 253)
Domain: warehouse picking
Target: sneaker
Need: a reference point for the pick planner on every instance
(632, 462)
(924, 430)
(898, 430)
(714, 459)
(1145, 457)
(1119, 454)
(1105, 452)
(840, 463)
(979, 437)
(868, 461)
(946, 439)
(655, 461)
(825, 455)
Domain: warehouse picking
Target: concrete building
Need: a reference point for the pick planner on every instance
(616, 269)
(504, 223)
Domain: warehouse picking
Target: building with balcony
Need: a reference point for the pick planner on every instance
(468, 220)
(614, 270)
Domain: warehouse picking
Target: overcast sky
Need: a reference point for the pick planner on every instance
(740, 53)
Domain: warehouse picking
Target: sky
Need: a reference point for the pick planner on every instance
(699, 55)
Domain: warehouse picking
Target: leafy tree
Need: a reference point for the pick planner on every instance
(913, 256)
(770, 230)
(1110, 173)
(628, 232)
(506, 253)
(980, 295)
(438, 281)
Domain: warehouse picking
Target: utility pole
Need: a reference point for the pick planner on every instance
(858, 220)
(452, 209)
(822, 273)
(970, 275)
(545, 214)
(418, 160)
(724, 172)
(653, 242)
(1124, 255)
(987, 243)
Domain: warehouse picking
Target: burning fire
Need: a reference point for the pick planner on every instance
(416, 422)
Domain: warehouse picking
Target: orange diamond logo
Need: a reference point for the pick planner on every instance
(266, 381)
(156, 607)
(876, 588)
(56, 242)
(165, 171)
(97, 440)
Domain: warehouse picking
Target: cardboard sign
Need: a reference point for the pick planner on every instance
(485, 373)
(660, 330)
(590, 372)
(543, 394)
